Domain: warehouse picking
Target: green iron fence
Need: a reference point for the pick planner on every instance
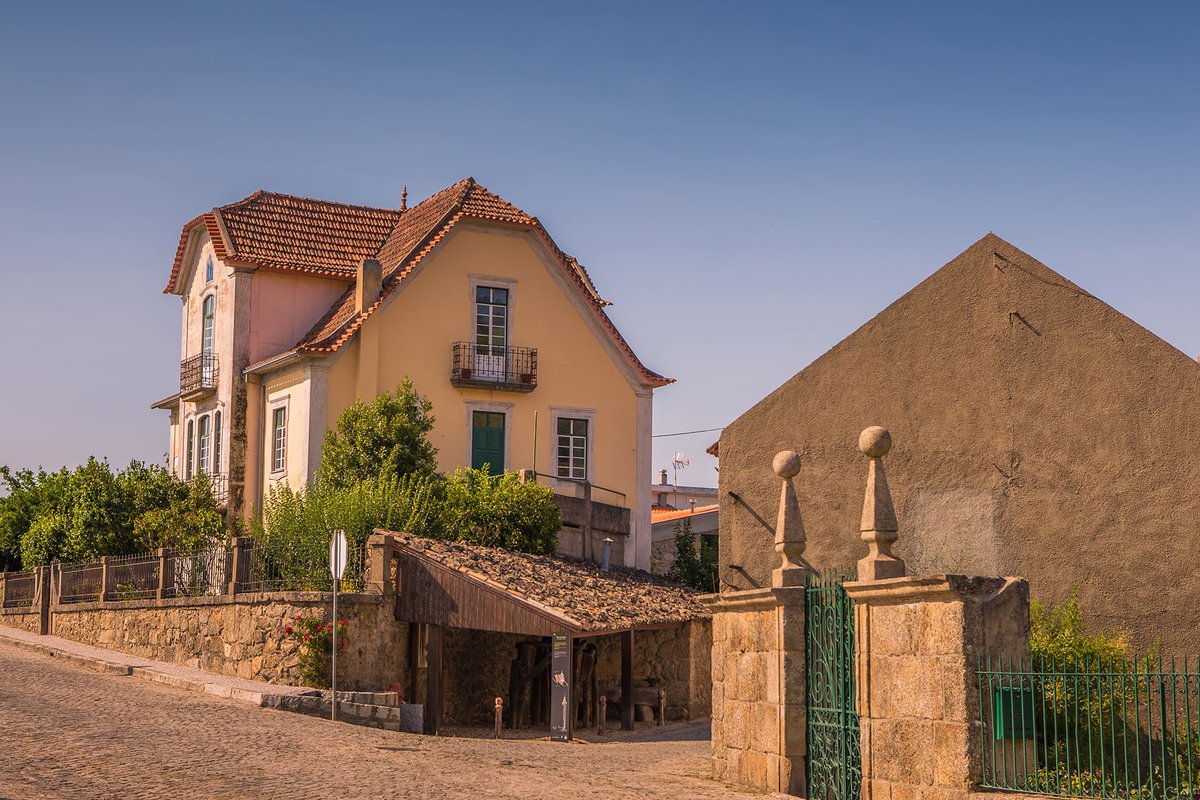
(301, 568)
(1096, 728)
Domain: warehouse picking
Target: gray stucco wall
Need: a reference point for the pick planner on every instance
(1038, 432)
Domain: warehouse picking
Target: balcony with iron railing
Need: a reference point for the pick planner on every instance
(510, 369)
(197, 376)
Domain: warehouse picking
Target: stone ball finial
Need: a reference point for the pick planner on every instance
(786, 464)
(874, 442)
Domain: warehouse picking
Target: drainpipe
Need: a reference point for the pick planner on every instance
(604, 556)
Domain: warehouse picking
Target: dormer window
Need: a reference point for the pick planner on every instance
(208, 270)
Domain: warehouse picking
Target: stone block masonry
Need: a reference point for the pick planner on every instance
(758, 679)
(241, 636)
(918, 705)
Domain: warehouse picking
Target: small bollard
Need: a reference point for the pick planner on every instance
(499, 715)
(602, 715)
(662, 706)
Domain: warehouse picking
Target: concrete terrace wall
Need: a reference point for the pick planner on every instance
(240, 636)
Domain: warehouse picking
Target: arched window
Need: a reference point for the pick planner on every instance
(216, 456)
(207, 321)
(190, 448)
(208, 271)
(204, 462)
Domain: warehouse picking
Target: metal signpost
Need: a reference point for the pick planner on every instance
(337, 568)
(560, 688)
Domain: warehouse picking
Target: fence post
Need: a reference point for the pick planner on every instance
(55, 582)
(3, 588)
(379, 564)
(166, 575)
(103, 579)
(587, 550)
(43, 600)
(240, 563)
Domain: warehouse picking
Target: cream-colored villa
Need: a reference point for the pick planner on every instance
(295, 308)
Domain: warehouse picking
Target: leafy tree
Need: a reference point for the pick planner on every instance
(386, 438)
(83, 513)
(695, 562)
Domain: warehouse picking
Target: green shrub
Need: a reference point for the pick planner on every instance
(314, 635)
(386, 438)
(499, 511)
(296, 525)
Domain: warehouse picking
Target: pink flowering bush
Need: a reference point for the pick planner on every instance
(315, 638)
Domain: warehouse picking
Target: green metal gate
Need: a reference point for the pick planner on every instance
(834, 758)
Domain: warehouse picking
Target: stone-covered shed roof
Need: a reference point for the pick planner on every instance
(471, 586)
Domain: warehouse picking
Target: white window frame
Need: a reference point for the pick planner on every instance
(189, 449)
(274, 408)
(500, 408)
(204, 441)
(492, 282)
(218, 421)
(587, 414)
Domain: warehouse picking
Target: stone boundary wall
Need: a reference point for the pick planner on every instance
(21, 618)
(241, 635)
(758, 698)
(918, 642)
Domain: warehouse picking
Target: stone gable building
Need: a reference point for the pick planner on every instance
(1039, 432)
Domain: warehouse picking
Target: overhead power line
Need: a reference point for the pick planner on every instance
(685, 433)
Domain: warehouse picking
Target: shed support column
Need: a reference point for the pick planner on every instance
(434, 650)
(627, 680)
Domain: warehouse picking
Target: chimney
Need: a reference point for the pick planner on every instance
(370, 282)
(662, 477)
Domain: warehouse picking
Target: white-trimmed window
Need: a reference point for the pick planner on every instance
(208, 270)
(216, 451)
(571, 456)
(204, 464)
(279, 439)
(190, 450)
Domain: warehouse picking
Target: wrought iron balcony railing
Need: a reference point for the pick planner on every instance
(198, 375)
(512, 369)
(218, 485)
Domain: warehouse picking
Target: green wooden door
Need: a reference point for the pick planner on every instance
(487, 441)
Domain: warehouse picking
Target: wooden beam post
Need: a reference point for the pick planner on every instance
(414, 661)
(627, 680)
(435, 649)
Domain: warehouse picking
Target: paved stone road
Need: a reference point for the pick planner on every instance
(72, 734)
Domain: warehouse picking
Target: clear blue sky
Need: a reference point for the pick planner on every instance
(749, 182)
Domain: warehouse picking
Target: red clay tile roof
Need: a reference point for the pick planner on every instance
(293, 234)
(298, 234)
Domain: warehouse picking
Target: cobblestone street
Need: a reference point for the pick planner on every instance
(73, 733)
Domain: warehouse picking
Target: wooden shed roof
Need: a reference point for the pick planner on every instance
(486, 588)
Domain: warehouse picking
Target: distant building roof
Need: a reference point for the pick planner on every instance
(670, 514)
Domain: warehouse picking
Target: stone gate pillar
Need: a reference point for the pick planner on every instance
(918, 641)
(758, 664)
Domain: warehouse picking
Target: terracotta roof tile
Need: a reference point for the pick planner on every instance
(294, 234)
(594, 598)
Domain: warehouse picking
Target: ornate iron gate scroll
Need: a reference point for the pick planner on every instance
(834, 757)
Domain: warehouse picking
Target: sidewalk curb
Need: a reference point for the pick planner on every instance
(260, 699)
(99, 665)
